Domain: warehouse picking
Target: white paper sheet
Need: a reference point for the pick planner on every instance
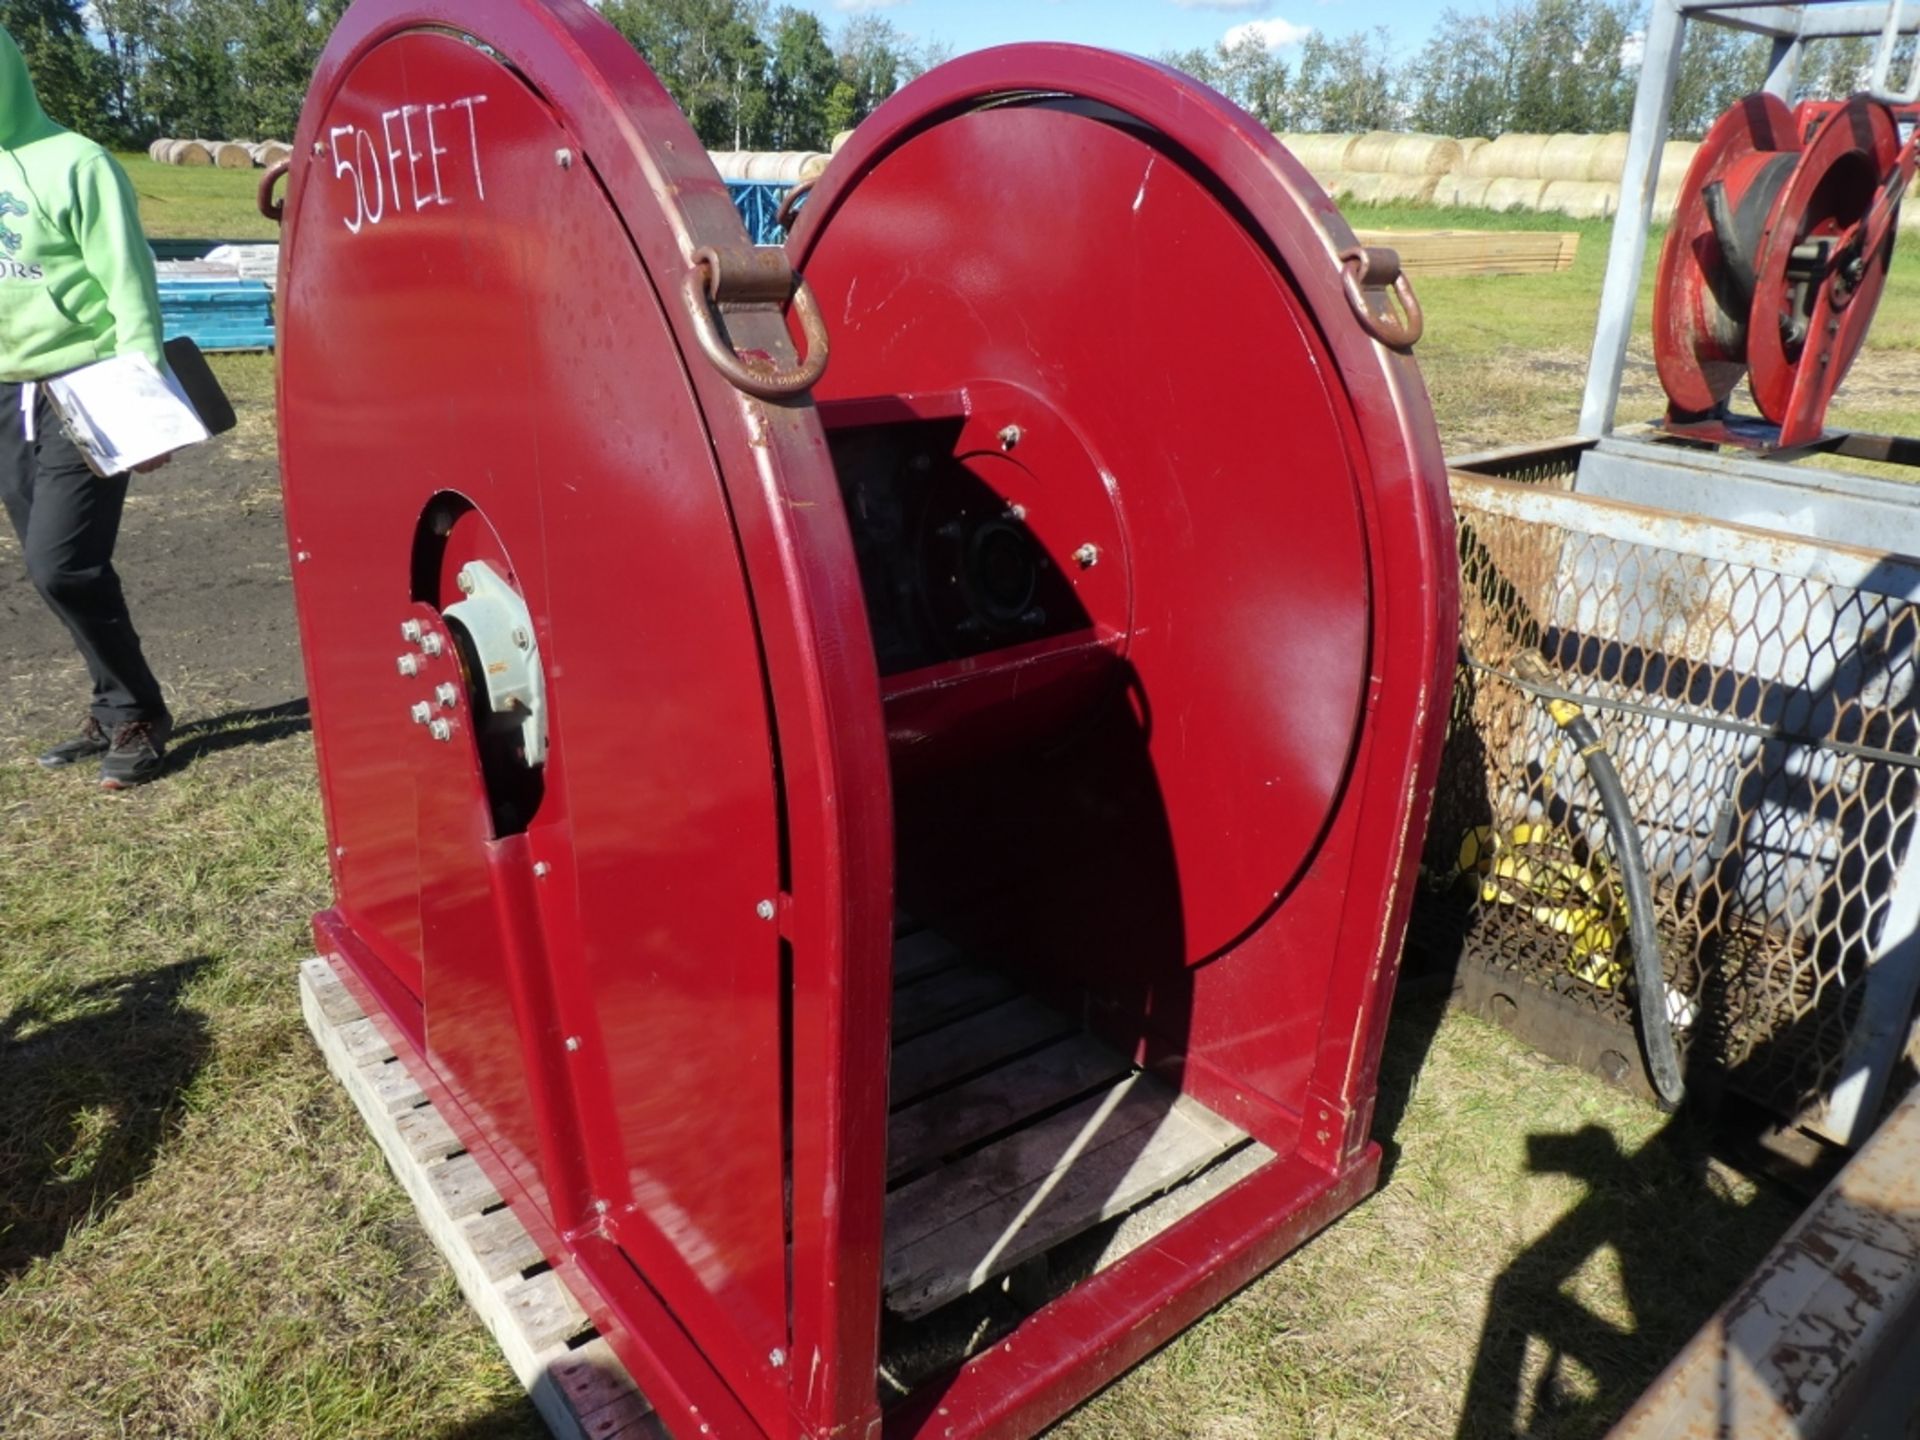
(123, 412)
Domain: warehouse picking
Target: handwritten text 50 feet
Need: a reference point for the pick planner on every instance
(403, 164)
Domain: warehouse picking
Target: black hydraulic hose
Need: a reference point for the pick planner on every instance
(1656, 1025)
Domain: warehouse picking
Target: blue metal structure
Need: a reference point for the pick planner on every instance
(758, 202)
(218, 314)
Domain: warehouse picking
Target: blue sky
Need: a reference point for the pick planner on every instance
(1146, 27)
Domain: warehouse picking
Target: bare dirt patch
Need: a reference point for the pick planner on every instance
(203, 557)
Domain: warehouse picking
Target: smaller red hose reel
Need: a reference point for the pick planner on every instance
(1776, 259)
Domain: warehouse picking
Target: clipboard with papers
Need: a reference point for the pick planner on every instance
(124, 411)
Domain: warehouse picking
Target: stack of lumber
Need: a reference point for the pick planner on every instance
(1478, 252)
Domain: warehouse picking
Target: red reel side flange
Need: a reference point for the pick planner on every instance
(1820, 272)
(1705, 292)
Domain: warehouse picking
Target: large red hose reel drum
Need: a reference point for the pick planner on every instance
(846, 788)
(1775, 261)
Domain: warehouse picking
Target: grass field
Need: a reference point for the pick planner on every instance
(196, 1239)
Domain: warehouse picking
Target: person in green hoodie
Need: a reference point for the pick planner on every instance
(76, 285)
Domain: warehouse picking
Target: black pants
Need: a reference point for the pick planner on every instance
(67, 519)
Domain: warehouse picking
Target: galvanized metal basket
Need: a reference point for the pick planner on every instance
(1757, 692)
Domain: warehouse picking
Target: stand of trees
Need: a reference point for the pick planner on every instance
(753, 76)
(1529, 65)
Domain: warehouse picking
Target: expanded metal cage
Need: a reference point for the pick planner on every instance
(1758, 696)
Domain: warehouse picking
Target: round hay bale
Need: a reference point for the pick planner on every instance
(1424, 155)
(1666, 198)
(1372, 151)
(813, 166)
(840, 138)
(1458, 189)
(1581, 199)
(1405, 189)
(1675, 160)
(1567, 157)
(1357, 185)
(1511, 157)
(157, 150)
(1512, 192)
(271, 152)
(1321, 154)
(782, 166)
(189, 152)
(1469, 147)
(1609, 157)
(231, 155)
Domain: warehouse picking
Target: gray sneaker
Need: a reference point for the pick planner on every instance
(138, 754)
(91, 741)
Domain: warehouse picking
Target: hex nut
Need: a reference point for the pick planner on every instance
(447, 694)
(409, 664)
(1087, 556)
(411, 631)
(431, 643)
(422, 712)
(440, 730)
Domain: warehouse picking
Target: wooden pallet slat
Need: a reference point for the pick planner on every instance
(923, 953)
(941, 1056)
(951, 1231)
(959, 1118)
(947, 996)
(570, 1374)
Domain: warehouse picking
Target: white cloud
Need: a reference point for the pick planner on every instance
(1269, 34)
(1235, 6)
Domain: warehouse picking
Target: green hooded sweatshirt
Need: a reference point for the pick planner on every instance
(76, 276)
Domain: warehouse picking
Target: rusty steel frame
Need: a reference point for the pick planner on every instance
(1722, 660)
(1820, 1340)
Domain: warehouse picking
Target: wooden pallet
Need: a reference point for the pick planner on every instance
(581, 1390)
(1478, 252)
(1012, 1131)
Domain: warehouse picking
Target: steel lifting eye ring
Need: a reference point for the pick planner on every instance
(789, 211)
(1362, 269)
(273, 209)
(769, 382)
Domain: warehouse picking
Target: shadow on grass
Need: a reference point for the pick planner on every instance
(92, 1081)
(512, 1419)
(201, 738)
(1550, 1366)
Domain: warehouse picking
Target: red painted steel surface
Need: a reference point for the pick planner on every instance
(1158, 727)
(1776, 258)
